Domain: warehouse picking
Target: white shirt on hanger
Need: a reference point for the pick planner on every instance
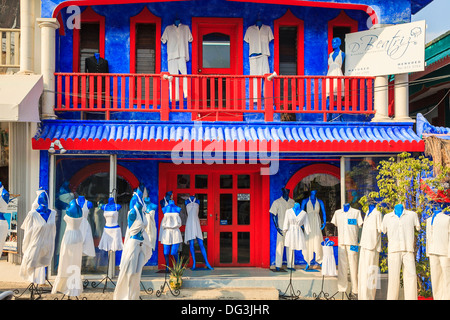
(177, 39)
(258, 39)
(400, 231)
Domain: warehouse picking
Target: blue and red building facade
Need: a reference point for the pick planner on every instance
(233, 144)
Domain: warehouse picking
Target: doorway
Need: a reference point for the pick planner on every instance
(217, 60)
(231, 213)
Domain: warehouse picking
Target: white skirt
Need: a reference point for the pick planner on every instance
(329, 262)
(111, 239)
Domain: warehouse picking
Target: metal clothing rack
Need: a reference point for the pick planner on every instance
(292, 295)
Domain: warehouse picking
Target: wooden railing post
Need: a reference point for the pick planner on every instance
(165, 83)
(268, 96)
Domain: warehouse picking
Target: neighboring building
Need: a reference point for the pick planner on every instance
(218, 131)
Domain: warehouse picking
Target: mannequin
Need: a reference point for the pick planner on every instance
(335, 62)
(348, 221)
(88, 240)
(399, 226)
(438, 252)
(177, 36)
(111, 239)
(68, 281)
(165, 201)
(329, 262)
(294, 235)
(193, 230)
(278, 212)
(136, 253)
(312, 206)
(39, 240)
(4, 200)
(369, 255)
(169, 232)
(150, 211)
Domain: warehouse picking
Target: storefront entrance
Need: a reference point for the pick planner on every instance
(235, 228)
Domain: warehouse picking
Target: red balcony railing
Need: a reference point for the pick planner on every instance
(210, 97)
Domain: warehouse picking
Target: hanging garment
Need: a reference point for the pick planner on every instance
(328, 262)
(177, 39)
(258, 39)
(37, 246)
(334, 69)
(68, 281)
(135, 255)
(86, 230)
(169, 231)
(151, 227)
(63, 198)
(193, 229)
(314, 238)
(294, 235)
(111, 239)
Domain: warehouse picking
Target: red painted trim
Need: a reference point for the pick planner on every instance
(91, 169)
(342, 20)
(284, 146)
(88, 16)
(309, 170)
(289, 19)
(145, 16)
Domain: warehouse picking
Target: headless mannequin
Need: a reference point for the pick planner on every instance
(136, 198)
(297, 208)
(164, 201)
(110, 206)
(346, 207)
(43, 209)
(371, 207)
(170, 249)
(314, 199)
(199, 241)
(398, 210)
(177, 22)
(81, 200)
(436, 211)
(97, 57)
(336, 45)
(5, 196)
(132, 215)
(285, 195)
(327, 242)
(74, 210)
(150, 206)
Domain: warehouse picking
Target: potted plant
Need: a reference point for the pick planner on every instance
(407, 180)
(176, 272)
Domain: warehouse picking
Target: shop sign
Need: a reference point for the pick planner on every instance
(385, 51)
(243, 196)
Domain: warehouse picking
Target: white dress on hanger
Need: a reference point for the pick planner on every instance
(335, 69)
(151, 227)
(135, 255)
(111, 239)
(193, 229)
(329, 262)
(88, 240)
(294, 237)
(37, 246)
(314, 238)
(68, 281)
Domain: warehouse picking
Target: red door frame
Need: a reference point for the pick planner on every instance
(260, 239)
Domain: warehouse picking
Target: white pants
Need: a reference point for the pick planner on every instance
(368, 274)
(176, 66)
(347, 259)
(440, 276)
(290, 257)
(395, 262)
(259, 65)
(279, 251)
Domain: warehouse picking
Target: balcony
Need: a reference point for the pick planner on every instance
(10, 45)
(214, 97)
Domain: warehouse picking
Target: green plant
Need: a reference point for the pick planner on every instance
(177, 271)
(406, 180)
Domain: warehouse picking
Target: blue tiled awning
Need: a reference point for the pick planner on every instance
(289, 136)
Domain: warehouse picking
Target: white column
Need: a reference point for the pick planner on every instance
(48, 47)
(26, 36)
(402, 97)
(381, 99)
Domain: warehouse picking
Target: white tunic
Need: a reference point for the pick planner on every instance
(135, 255)
(193, 229)
(438, 235)
(169, 232)
(177, 39)
(151, 227)
(371, 231)
(279, 207)
(314, 238)
(38, 245)
(334, 69)
(294, 236)
(88, 240)
(400, 231)
(348, 224)
(68, 281)
(111, 239)
(258, 39)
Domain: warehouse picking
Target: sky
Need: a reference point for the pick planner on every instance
(436, 15)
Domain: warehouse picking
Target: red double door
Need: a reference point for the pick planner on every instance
(233, 211)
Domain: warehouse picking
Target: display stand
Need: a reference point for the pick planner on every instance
(322, 293)
(69, 298)
(350, 296)
(290, 287)
(34, 289)
(106, 278)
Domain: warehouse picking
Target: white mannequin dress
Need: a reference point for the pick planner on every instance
(151, 227)
(329, 262)
(68, 281)
(294, 237)
(193, 229)
(314, 238)
(88, 240)
(169, 232)
(111, 239)
(334, 69)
